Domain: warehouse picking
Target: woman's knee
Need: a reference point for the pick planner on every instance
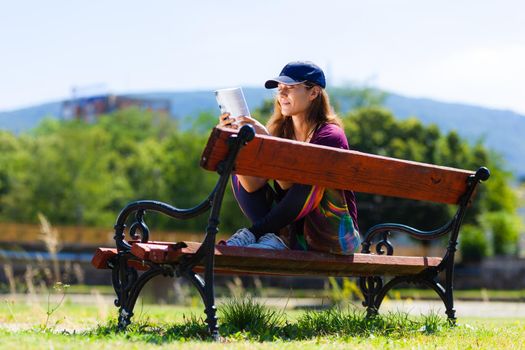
(251, 184)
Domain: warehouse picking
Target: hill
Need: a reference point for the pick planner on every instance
(500, 130)
(26, 118)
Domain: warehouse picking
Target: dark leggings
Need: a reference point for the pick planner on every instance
(270, 210)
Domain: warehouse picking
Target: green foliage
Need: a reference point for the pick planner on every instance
(203, 123)
(264, 112)
(375, 130)
(473, 244)
(505, 229)
(345, 293)
(499, 195)
(80, 173)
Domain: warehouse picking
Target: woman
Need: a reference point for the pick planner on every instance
(292, 215)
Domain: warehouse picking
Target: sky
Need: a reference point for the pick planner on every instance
(451, 50)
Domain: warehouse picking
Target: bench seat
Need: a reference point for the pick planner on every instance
(237, 260)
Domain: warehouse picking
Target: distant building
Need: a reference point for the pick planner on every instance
(88, 108)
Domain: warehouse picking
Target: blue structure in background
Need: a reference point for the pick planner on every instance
(88, 108)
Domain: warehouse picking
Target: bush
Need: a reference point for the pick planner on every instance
(505, 230)
(473, 244)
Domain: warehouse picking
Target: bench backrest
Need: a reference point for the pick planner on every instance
(299, 162)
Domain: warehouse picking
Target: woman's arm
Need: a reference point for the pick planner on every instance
(250, 183)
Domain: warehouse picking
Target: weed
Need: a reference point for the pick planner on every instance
(8, 270)
(236, 287)
(193, 327)
(60, 288)
(51, 239)
(9, 304)
(433, 323)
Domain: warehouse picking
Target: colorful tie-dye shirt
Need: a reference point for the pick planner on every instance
(330, 216)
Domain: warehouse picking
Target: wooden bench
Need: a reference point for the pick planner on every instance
(136, 260)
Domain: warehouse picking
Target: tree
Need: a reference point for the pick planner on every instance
(375, 130)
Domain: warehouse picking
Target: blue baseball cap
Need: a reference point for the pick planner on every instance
(298, 72)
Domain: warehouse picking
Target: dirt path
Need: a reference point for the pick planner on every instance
(463, 308)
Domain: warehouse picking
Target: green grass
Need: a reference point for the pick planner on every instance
(246, 325)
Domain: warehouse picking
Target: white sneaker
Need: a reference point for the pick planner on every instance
(269, 241)
(241, 238)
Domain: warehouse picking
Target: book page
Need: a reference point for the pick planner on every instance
(232, 101)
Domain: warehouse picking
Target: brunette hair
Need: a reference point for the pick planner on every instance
(319, 112)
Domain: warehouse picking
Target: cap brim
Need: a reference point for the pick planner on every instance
(283, 79)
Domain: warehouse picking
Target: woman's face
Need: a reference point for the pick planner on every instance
(295, 99)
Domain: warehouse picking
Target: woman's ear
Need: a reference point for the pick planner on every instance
(314, 92)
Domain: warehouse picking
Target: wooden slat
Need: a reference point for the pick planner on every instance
(148, 251)
(299, 162)
(103, 255)
(290, 262)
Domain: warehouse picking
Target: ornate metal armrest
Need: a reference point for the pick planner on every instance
(482, 174)
(139, 229)
(384, 230)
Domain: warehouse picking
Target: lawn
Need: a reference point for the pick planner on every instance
(27, 326)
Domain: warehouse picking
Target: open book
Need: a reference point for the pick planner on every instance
(232, 101)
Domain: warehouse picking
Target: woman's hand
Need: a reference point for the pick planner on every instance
(236, 123)
(259, 128)
(225, 121)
